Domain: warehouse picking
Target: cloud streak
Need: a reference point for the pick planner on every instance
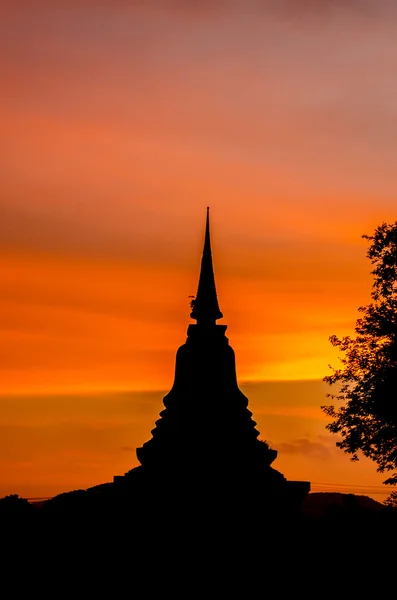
(307, 447)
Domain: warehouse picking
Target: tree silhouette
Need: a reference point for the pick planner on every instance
(13, 504)
(367, 381)
(392, 500)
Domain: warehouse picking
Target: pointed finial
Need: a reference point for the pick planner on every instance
(205, 306)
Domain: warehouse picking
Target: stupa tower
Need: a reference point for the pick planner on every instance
(206, 419)
(206, 431)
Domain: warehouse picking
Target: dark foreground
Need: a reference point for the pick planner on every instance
(77, 548)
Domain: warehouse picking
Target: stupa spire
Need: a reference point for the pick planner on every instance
(205, 307)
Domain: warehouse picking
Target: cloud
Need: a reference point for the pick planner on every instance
(310, 8)
(208, 9)
(318, 450)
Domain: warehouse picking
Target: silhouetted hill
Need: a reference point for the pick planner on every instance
(317, 504)
(88, 536)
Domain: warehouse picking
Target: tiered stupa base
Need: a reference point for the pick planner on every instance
(211, 492)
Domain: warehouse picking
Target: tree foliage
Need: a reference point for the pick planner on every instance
(391, 501)
(15, 504)
(366, 384)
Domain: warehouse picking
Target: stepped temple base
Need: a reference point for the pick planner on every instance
(213, 490)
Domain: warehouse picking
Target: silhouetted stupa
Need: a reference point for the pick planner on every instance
(206, 436)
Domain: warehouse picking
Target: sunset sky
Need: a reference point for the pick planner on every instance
(120, 122)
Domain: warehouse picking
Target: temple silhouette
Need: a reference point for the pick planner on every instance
(205, 444)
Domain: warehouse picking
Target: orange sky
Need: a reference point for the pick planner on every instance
(121, 122)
